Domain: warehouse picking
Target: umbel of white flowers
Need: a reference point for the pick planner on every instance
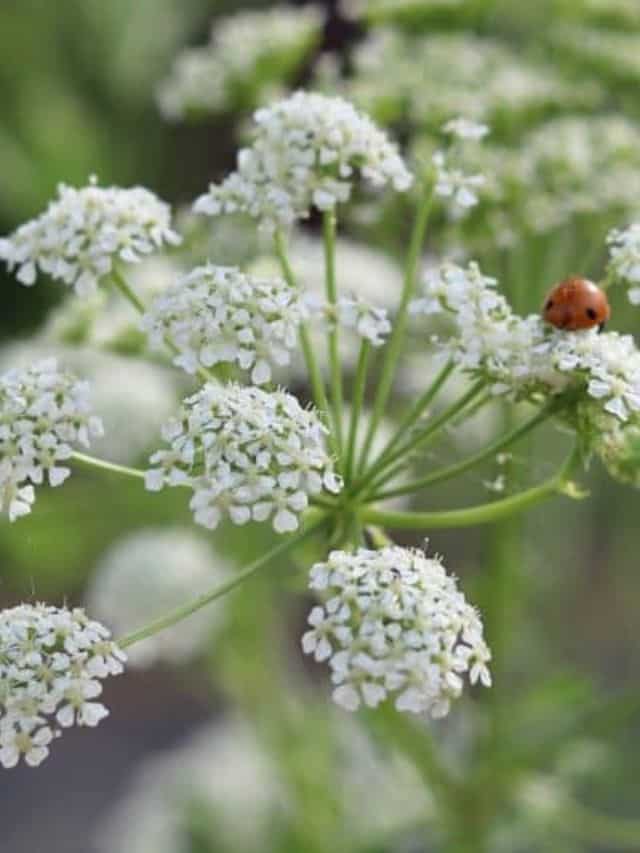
(44, 412)
(245, 453)
(307, 151)
(218, 314)
(393, 623)
(52, 661)
(85, 231)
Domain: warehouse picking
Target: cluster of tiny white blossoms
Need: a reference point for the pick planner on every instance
(369, 322)
(523, 355)
(624, 263)
(452, 182)
(51, 663)
(147, 574)
(246, 453)
(43, 413)
(218, 314)
(394, 623)
(85, 231)
(218, 76)
(306, 153)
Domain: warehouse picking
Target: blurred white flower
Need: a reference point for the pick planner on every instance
(464, 128)
(394, 623)
(145, 575)
(248, 52)
(218, 314)
(245, 453)
(454, 184)
(369, 322)
(307, 152)
(51, 665)
(624, 255)
(44, 413)
(84, 232)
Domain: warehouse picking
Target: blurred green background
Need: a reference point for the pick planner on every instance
(549, 759)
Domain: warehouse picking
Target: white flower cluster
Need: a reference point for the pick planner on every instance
(368, 321)
(246, 453)
(43, 413)
(51, 663)
(85, 231)
(524, 356)
(464, 128)
(220, 76)
(624, 255)
(454, 184)
(218, 314)
(306, 152)
(394, 623)
(149, 573)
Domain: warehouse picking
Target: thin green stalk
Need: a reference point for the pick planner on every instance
(451, 471)
(122, 285)
(329, 237)
(414, 413)
(359, 388)
(315, 375)
(419, 439)
(394, 346)
(470, 516)
(219, 590)
(112, 467)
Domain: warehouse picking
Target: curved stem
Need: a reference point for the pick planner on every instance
(470, 516)
(329, 238)
(458, 468)
(206, 598)
(104, 465)
(394, 346)
(359, 389)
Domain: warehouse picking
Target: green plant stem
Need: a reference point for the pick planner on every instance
(381, 465)
(610, 832)
(315, 376)
(219, 590)
(359, 388)
(470, 516)
(397, 339)
(123, 286)
(102, 464)
(329, 238)
(414, 413)
(447, 473)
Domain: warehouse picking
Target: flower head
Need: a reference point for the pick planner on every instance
(369, 322)
(624, 264)
(51, 663)
(218, 314)
(464, 128)
(245, 453)
(43, 413)
(393, 623)
(306, 152)
(84, 232)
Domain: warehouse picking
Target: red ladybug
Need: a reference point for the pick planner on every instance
(576, 303)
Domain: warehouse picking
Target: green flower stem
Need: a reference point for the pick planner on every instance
(416, 411)
(419, 440)
(221, 589)
(103, 465)
(359, 388)
(315, 375)
(447, 473)
(471, 516)
(122, 285)
(329, 235)
(397, 339)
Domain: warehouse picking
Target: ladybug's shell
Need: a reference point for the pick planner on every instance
(576, 303)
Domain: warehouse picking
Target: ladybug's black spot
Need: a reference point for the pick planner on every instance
(591, 314)
(549, 304)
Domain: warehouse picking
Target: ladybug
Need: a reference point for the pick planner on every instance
(576, 303)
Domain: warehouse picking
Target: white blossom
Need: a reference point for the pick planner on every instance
(455, 185)
(218, 314)
(84, 232)
(393, 623)
(145, 575)
(52, 661)
(44, 412)
(368, 321)
(464, 128)
(306, 153)
(624, 255)
(245, 453)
